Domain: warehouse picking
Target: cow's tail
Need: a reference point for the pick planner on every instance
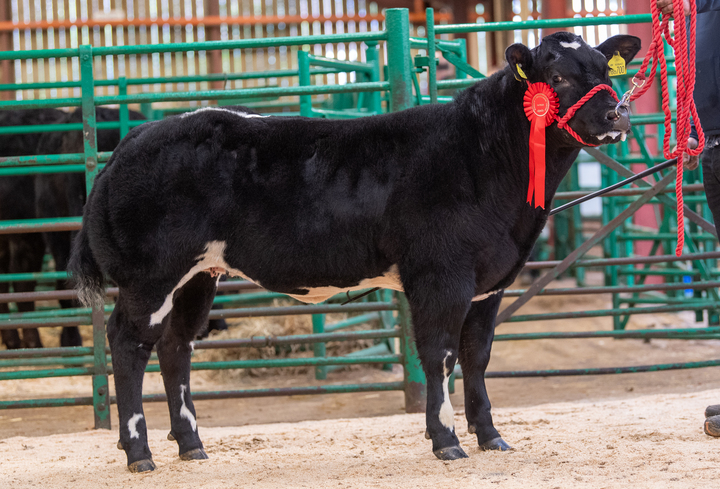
(86, 273)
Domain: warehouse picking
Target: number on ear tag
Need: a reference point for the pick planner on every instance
(617, 65)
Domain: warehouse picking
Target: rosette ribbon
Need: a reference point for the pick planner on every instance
(541, 107)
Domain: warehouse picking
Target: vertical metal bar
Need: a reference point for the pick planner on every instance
(124, 110)
(397, 24)
(88, 115)
(101, 396)
(101, 404)
(147, 110)
(318, 324)
(413, 375)
(432, 68)
(460, 74)
(304, 76)
(372, 55)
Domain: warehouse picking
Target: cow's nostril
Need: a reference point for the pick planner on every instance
(612, 115)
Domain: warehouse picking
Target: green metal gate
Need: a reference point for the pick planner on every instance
(397, 89)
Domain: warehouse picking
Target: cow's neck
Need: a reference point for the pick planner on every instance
(502, 97)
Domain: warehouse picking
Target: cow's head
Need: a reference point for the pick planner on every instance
(572, 67)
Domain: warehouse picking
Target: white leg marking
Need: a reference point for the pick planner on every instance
(132, 425)
(447, 418)
(184, 411)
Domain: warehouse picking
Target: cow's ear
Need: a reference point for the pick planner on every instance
(520, 60)
(627, 46)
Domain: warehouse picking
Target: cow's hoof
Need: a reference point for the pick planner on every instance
(196, 454)
(119, 445)
(712, 426)
(145, 465)
(713, 410)
(496, 444)
(171, 437)
(450, 453)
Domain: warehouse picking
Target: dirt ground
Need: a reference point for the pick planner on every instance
(590, 431)
(647, 442)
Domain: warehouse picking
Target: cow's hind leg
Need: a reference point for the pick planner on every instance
(475, 344)
(438, 310)
(188, 317)
(131, 341)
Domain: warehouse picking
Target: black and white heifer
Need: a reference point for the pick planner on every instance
(431, 200)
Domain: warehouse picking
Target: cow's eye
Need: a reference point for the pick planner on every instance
(557, 79)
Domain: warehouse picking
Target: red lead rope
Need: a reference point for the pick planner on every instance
(685, 71)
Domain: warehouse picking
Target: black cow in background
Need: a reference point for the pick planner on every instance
(63, 194)
(430, 200)
(21, 253)
(45, 196)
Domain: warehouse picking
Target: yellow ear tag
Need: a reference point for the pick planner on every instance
(617, 65)
(521, 72)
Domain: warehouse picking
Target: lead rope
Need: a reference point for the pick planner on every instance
(685, 72)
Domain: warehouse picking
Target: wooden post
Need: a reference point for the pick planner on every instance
(7, 73)
(554, 9)
(213, 34)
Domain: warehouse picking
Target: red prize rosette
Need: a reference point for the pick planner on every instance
(541, 106)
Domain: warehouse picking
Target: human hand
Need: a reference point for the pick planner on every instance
(666, 7)
(689, 162)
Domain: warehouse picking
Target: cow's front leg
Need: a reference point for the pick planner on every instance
(130, 345)
(475, 344)
(437, 314)
(188, 317)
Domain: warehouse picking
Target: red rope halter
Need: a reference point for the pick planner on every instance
(685, 71)
(541, 108)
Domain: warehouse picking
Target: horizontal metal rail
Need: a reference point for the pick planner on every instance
(71, 126)
(214, 314)
(210, 77)
(684, 333)
(201, 95)
(618, 289)
(542, 24)
(198, 46)
(691, 306)
(211, 395)
(61, 159)
(633, 260)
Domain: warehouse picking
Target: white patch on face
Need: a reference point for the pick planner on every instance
(388, 280)
(484, 296)
(446, 415)
(244, 115)
(184, 411)
(611, 134)
(132, 425)
(213, 258)
(192, 346)
(571, 45)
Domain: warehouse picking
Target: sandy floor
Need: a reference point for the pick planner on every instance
(651, 441)
(643, 430)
